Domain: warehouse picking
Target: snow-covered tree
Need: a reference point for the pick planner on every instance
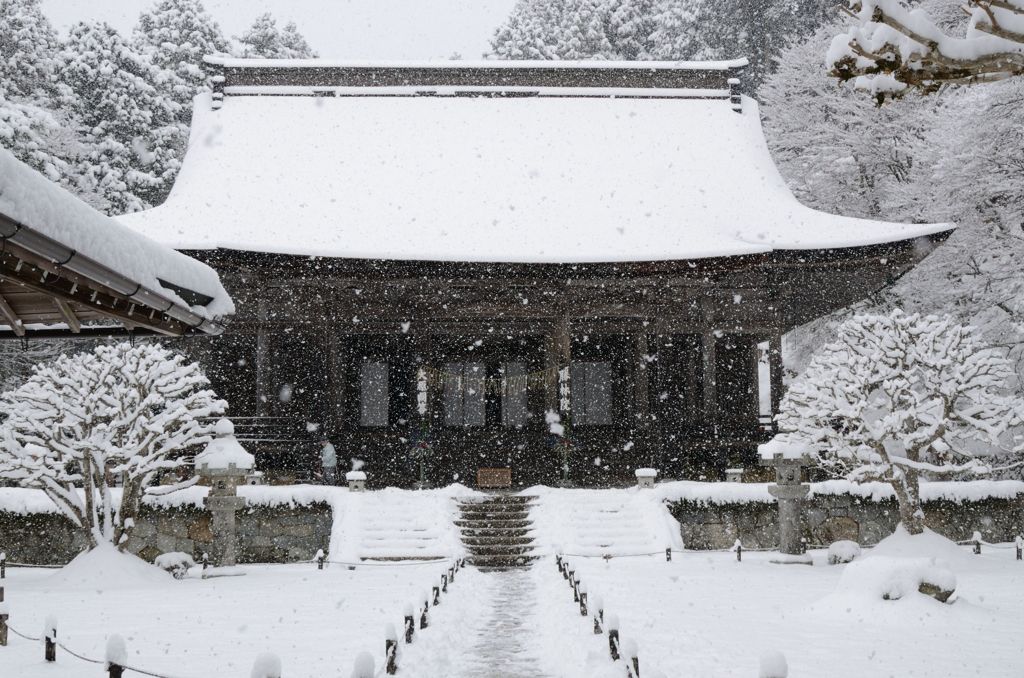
(264, 40)
(117, 412)
(901, 396)
(28, 49)
(562, 30)
(128, 121)
(892, 47)
(177, 34)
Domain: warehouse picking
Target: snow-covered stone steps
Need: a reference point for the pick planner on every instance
(496, 531)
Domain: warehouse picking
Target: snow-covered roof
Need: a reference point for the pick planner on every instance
(32, 206)
(567, 174)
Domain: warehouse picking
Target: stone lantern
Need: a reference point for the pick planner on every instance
(356, 480)
(788, 461)
(224, 465)
(645, 477)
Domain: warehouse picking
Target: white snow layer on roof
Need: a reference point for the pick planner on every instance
(31, 199)
(526, 180)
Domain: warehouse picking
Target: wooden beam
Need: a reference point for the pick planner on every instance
(69, 315)
(12, 318)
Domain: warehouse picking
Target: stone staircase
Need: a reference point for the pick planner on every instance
(497, 532)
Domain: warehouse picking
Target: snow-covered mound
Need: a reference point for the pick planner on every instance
(928, 544)
(602, 522)
(894, 578)
(104, 568)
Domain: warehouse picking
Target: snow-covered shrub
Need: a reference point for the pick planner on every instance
(773, 665)
(843, 551)
(899, 396)
(175, 562)
(895, 578)
(117, 412)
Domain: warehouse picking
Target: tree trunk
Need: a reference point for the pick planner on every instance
(908, 494)
(90, 509)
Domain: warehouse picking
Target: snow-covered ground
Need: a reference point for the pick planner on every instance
(316, 621)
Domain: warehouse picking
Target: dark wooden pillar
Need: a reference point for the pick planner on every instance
(641, 380)
(263, 366)
(710, 378)
(775, 363)
(557, 354)
(335, 404)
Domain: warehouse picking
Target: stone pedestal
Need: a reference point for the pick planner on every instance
(790, 493)
(225, 536)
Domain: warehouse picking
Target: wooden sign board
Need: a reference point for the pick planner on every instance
(493, 477)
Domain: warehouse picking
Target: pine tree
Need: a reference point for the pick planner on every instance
(294, 45)
(28, 49)
(264, 40)
(177, 34)
(128, 123)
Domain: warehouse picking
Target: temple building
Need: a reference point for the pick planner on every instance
(506, 265)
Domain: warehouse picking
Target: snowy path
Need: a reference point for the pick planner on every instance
(482, 629)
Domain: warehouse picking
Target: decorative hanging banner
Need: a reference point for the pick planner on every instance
(502, 385)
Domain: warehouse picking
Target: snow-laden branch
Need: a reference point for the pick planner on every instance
(892, 48)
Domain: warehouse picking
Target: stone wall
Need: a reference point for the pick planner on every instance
(266, 534)
(828, 518)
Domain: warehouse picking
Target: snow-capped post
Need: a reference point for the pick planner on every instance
(116, 656)
(735, 97)
(574, 581)
(436, 591)
(976, 540)
(773, 665)
(50, 638)
(787, 459)
(223, 465)
(645, 477)
(613, 636)
(451, 573)
(410, 623)
(424, 622)
(632, 655)
(5, 614)
(320, 559)
(391, 649)
(1019, 541)
(583, 599)
(598, 605)
(356, 480)
(738, 548)
(668, 554)
(364, 666)
(3, 565)
(267, 665)
(444, 582)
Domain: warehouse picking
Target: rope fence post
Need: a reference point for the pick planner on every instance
(424, 623)
(444, 582)
(976, 538)
(1019, 541)
(613, 636)
(436, 591)
(206, 563)
(598, 615)
(410, 623)
(320, 559)
(116, 656)
(583, 599)
(3, 565)
(630, 653)
(574, 581)
(4, 616)
(391, 649)
(50, 639)
(668, 554)
(739, 550)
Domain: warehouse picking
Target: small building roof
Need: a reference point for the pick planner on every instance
(515, 162)
(64, 264)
